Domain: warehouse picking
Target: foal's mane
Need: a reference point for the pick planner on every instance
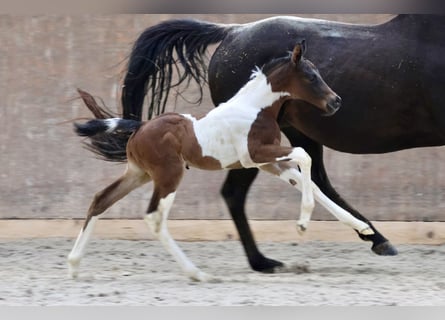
(275, 63)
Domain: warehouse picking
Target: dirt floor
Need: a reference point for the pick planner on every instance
(123, 272)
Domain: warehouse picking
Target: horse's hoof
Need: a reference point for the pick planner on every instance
(385, 249)
(267, 265)
(294, 268)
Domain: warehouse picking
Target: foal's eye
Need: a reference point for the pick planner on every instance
(312, 77)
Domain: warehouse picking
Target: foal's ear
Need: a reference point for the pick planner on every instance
(298, 52)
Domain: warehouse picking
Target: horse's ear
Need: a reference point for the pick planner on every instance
(298, 52)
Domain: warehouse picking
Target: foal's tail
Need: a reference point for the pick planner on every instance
(159, 51)
(106, 126)
(107, 136)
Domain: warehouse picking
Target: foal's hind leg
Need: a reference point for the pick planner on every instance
(133, 177)
(165, 184)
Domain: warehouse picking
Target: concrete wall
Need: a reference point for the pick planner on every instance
(45, 172)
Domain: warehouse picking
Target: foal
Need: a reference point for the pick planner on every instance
(242, 132)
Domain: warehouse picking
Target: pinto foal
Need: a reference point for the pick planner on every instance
(241, 133)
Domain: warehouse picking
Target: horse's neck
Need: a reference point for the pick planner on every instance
(417, 21)
(422, 29)
(256, 94)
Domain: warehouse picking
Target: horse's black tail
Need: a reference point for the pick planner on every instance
(107, 136)
(159, 51)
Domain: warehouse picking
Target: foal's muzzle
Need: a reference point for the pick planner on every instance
(332, 106)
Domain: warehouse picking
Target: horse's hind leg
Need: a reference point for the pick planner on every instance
(132, 178)
(157, 215)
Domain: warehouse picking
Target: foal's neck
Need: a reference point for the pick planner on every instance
(257, 93)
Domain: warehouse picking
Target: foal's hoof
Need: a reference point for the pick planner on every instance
(73, 268)
(301, 228)
(367, 231)
(385, 249)
(199, 276)
(73, 273)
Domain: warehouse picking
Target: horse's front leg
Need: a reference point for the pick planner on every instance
(234, 192)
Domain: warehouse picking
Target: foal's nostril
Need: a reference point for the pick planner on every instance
(333, 106)
(338, 102)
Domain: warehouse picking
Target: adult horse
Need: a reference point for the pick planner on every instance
(390, 77)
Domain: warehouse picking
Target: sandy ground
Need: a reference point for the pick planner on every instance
(122, 272)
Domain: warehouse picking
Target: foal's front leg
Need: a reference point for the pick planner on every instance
(278, 169)
(304, 161)
(276, 153)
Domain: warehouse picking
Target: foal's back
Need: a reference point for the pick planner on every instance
(170, 140)
(216, 141)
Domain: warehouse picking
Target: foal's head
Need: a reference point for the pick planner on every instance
(300, 78)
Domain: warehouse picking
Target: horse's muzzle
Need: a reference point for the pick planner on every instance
(333, 106)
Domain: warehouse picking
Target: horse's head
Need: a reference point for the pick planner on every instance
(300, 78)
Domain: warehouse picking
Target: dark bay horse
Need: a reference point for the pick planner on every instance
(241, 133)
(390, 76)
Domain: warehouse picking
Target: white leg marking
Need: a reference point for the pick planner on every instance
(157, 222)
(78, 250)
(303, 159)
(341, 214)
(290, 176)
